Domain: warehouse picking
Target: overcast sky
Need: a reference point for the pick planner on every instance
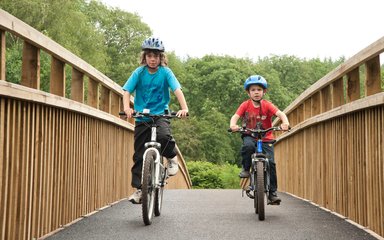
(254, 28)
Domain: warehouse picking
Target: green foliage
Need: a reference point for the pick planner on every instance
(107, 38)
(207, 175)
(123, 33)
(13, 60)
(110, 39)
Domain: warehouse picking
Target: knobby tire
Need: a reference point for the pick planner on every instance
(260, 190)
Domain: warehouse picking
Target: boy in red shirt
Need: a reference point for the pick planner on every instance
(253, 111)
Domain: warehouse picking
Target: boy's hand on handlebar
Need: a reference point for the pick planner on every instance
(284, 126)
(129, 112)
(234, 128)
(182, 113)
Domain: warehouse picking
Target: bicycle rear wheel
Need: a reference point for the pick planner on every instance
(148, 187)
(260, 190)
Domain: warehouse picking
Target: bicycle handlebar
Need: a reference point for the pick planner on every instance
(257, 131)
(150, 115)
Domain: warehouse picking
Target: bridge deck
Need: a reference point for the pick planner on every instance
(214, 214)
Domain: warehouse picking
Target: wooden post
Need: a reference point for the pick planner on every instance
(316, 107)
(300, 113)
(105, 99)
(77, 86)
(93, 93)
(372, 78)
(353, 85)
(115, 104)
(2, 56)
(307, 109)
(337, 93)
(30, 73)
(57, 82)
(326, 100)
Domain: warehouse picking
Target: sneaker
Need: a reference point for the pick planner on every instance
(135, 198)
(274, 199)
(173, 166)
(244, 173)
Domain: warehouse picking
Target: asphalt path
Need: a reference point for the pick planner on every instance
(214, 214)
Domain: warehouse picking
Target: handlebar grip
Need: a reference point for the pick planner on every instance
(122, 113)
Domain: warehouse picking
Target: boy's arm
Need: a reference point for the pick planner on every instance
(285, 123)
(183, 104)
(127, 104)
(233, 123)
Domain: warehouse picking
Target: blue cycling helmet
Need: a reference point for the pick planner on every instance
(255, 79)
(153, 44)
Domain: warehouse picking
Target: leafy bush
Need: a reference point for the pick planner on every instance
(207, 175)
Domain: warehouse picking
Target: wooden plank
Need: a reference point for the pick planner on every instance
(14, 167)
(36, 221)
(373, 76)
(30, 69)
(5, 165)
(23, 173)
(57, 77)
(28, 94)
(3, 48)
(60, 164)
(32, 123)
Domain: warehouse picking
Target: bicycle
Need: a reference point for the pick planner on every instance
(259, 182)
(154, 171)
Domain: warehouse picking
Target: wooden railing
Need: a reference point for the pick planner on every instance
(334, 156)
(60, 159)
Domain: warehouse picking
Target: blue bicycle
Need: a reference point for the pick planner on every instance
(259, 180)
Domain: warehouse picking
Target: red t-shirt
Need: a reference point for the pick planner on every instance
(252, 115)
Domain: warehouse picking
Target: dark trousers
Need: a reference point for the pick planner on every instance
(143, 135)
(249, 147)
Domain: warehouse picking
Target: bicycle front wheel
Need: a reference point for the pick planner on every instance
(148, 187)
(159, 193)
(260, 190)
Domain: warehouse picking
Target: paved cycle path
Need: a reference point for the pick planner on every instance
(214, 214)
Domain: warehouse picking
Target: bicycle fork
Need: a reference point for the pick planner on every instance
(154, 146)
(252, 186)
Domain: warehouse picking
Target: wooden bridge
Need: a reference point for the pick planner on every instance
(65, 157)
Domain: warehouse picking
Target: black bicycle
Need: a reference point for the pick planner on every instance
(154, 171)
(259, 182)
